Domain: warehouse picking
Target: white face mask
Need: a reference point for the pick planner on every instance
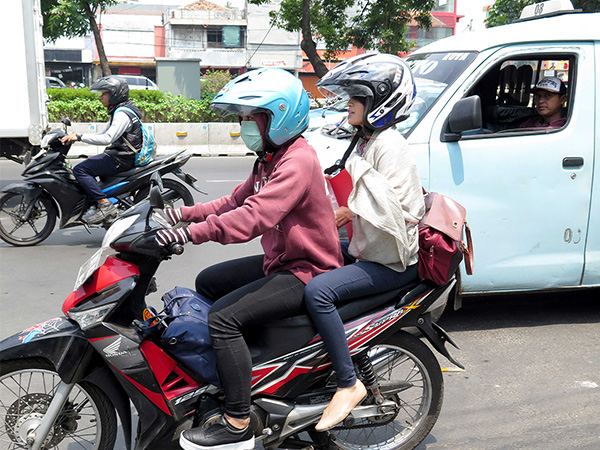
(251, 136)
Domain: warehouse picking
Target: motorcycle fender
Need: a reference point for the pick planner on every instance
(437, 337)
(29, 191)
(57, 340)
(62, 343)
(187, 178)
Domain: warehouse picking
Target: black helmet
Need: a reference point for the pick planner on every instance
(384, 80)
(117, 88)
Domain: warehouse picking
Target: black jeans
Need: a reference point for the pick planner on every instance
(244, 296)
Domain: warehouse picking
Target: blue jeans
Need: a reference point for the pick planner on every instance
(337, 286)
(85, 172)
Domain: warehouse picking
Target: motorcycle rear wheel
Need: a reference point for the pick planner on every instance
(174, 193)
(87, 421)
(402, 358)
(14, 230)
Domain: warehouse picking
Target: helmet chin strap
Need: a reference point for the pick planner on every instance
(264, 157)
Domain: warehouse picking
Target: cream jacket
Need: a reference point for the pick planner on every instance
(386, 200)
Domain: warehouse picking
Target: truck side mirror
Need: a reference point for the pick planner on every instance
(465, 115)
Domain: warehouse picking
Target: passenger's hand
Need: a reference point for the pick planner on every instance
(343, 215)
(173, 215)
(166, 237)
(71, 137)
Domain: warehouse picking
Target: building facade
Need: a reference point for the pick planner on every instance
(137, 34)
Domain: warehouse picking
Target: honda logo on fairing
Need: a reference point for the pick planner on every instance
(113, 349)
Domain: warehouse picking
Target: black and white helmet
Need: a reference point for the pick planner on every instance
(384, 80)
(116, 86)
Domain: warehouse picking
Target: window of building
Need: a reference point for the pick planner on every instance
(214, 37)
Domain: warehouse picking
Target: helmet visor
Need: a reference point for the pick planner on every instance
(352, 90)
(227, 109)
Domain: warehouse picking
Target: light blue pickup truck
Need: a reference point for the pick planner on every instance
(531, 194)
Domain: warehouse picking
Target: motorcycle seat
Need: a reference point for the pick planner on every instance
(278, 337)
(111, 179)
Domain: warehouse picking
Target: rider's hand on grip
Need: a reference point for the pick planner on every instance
(173, 215)
(166, 237)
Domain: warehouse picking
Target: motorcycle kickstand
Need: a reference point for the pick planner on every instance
(37, 436)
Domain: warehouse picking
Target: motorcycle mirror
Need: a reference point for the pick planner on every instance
(156, 200)
(156, 180)
(66, 121)
(27, 158)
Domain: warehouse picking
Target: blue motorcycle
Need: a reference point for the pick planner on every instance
(28, 209)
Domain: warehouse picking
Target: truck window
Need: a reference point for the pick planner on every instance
(433, 73)
(507, 100)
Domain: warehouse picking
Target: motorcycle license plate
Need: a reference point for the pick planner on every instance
(88, 268)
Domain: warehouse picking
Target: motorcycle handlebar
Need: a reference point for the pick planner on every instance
(175, 248)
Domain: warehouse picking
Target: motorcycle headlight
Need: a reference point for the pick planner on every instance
(117, 229)
(89, 317)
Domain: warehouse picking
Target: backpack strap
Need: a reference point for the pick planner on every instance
(468, 250)
(127, 108)
(129, 145)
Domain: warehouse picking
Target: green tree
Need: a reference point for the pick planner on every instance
(75, 18)
(507, 11)
(369, 24)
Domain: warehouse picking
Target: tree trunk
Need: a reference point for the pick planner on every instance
(98, 38)
(308, 45)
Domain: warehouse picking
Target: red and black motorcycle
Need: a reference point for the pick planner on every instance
(63, 382)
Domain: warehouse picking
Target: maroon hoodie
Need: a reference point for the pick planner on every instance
(287, 204)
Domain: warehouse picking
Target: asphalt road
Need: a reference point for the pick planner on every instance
(532, 378)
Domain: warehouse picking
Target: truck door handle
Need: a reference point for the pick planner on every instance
(572, 162)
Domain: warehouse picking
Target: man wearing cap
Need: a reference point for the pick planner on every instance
(549, 95)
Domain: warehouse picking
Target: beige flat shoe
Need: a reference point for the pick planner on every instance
(344, 401)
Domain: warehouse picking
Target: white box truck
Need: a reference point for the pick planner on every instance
(24, 113)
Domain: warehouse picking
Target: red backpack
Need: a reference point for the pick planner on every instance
(441, 245)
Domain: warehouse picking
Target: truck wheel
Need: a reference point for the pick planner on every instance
(16, 231)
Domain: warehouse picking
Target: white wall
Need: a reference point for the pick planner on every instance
(129, 35)
(474, 13)
(271, 46)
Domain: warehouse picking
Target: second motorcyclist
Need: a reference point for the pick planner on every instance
(118, 155)
(284, 201)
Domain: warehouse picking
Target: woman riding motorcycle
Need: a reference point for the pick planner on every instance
(385, 206)
(284, 201)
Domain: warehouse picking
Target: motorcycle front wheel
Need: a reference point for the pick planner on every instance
(410, 376)
(17, 231)
(87, 421)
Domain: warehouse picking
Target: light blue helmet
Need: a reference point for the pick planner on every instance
(269, 90)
